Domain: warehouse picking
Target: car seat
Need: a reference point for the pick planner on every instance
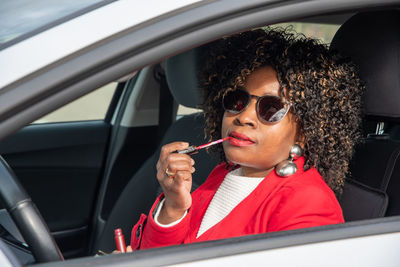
(371, 40)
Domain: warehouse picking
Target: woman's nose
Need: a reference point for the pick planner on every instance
(249, 115)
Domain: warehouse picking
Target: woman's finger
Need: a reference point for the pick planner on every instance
(182, 181)
(182, 176)
(182, 165)
(170, 169)
(174, 162)
(172, 147)
(168, 151)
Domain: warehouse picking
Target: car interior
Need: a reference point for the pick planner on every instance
(364, 197)
(88, 178)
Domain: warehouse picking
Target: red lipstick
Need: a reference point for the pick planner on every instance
(238, 139)
(195, 149)
(119, 240)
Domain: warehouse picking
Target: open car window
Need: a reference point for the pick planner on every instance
(321, 31)
(92, 106)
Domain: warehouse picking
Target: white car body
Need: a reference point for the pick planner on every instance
(47, 47)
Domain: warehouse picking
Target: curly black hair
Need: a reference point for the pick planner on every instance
(323, 88)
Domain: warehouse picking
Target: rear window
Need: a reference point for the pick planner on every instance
(320, 31)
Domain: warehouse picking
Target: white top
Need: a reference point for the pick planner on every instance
(233, 190)
(158, 214)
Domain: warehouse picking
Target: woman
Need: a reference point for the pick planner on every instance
(291, 110)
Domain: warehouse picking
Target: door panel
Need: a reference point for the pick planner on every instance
(60, 165)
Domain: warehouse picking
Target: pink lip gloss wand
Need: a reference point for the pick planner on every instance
(195, 149)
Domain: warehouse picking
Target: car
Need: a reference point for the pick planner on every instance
(89, 174)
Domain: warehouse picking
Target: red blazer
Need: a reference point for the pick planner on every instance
(298, 201)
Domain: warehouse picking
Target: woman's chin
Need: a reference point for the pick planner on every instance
(249, 163)
(240, 161)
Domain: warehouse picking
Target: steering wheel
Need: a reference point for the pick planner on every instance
(27, 217)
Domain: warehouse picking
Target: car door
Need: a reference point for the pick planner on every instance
(75, 161)
(59, 161)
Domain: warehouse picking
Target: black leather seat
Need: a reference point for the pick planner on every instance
(372, 41)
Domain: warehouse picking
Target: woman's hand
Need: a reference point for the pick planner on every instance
(174, 173)
(128, 249)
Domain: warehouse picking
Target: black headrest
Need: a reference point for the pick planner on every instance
(182, 77)
(372, 41)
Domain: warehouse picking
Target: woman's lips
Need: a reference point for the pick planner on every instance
(238, 139)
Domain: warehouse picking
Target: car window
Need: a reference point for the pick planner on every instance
(92, 106)
(323, 32)
(182, 110)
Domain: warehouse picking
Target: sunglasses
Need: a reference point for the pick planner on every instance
(270, 109)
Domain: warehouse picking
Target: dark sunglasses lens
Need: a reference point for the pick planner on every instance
(235, 101)
(271, 109)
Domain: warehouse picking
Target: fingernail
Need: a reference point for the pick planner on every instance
(193, 169)
(192, 161)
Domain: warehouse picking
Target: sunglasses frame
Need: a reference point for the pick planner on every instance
(285, 103)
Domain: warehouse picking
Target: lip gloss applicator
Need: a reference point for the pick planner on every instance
(195, 149)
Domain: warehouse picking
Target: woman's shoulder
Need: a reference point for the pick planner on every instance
(304, 200)
(308, 196)
(309, 185)
(307, 178)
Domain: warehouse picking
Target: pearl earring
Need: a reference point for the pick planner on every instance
(288, 167)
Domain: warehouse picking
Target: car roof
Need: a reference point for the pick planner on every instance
(58, 40)
(23, 18)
